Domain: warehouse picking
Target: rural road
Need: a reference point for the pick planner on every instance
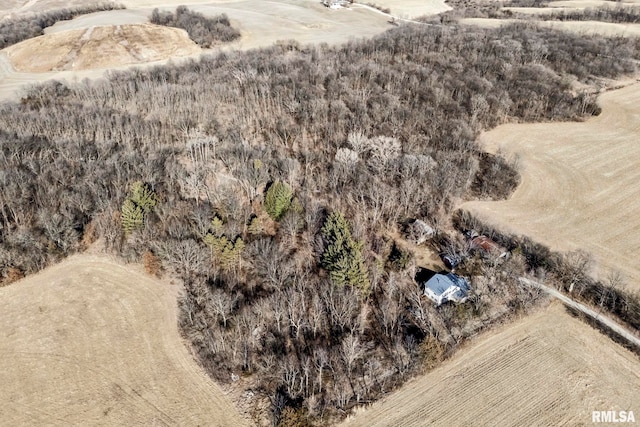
(616, 327)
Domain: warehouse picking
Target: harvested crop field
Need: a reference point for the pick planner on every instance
(411, 8)
(100, 47)
(91, 342)
(26, 7)
(607, 29)
(580, 184)
(546, 369)
(261, 24)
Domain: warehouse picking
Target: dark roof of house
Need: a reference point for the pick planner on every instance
(441, 282)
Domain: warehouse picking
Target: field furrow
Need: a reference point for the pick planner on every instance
(91, 342)
(579, 184)
(548, 369)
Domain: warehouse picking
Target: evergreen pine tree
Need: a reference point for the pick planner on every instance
(139, 203)
(132, 217)
(343, 255)
(278, 200)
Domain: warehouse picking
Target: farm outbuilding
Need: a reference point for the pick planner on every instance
(451, 261)
(335, 4)
(441, 288)
(487, 245)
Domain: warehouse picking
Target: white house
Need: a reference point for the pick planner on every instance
(446, 287)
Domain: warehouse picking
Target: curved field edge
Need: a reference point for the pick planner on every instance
(91, 342)
(579, 184)
(546, 369)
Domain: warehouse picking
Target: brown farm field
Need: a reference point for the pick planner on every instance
(100, 47)
(91, 342)
(546, 369)
(580, 184)
(261, 24)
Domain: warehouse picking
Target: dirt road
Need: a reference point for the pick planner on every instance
(602, 318)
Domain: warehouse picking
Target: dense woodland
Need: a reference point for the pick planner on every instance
(15, 30)
(205, 31)
(276, 183)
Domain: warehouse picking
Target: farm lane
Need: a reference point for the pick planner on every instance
(600, 317)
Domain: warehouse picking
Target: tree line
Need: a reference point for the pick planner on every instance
(21, 28)
(275, 184)
(493, 10)
(568, 271)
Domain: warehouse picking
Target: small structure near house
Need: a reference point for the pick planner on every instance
(451, 261)
(441, 288)
(485, 244)
(419, 232)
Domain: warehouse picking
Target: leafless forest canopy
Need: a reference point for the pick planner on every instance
(249, 174)
(21, 28)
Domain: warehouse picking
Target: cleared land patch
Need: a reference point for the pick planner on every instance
(100, 47)
(580, 183)
(547, 369)
(91, 342)
(98, 19)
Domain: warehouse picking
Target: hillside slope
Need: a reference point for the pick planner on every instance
(90, 342)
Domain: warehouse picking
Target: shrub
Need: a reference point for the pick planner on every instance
(398, 258)
(152, 264)
(225, 252)
(13, 274)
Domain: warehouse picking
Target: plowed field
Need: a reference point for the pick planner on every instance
(91, 342)
(580, 184)
(547, 369)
